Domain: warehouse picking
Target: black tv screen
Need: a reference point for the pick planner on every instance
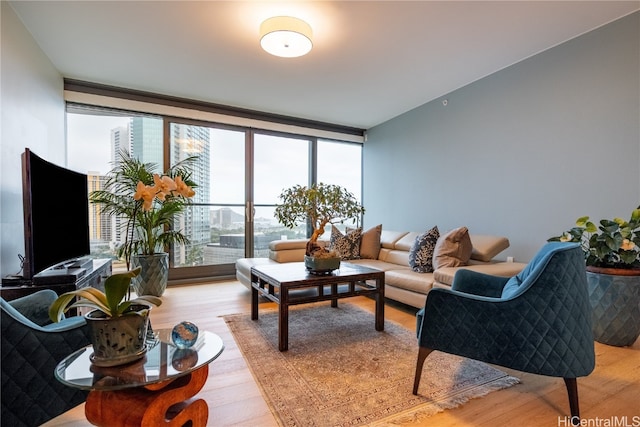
(56, 214)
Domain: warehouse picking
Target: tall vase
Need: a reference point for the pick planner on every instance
(615, 298)
(153, 276)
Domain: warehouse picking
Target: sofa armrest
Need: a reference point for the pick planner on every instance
(473, 282)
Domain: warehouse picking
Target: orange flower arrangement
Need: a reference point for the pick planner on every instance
(149, 201)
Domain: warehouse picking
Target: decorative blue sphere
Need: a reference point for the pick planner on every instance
(184, 334)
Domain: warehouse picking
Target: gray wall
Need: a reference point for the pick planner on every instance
(521, 153)
(32, 116)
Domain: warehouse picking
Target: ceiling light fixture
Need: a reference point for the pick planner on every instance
(285, 36)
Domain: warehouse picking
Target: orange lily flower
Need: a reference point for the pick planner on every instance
(183, 189)
(145, 192)
(164, 186)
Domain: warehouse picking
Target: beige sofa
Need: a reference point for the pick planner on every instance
(401, 282)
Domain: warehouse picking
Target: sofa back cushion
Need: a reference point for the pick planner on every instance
(389, 238)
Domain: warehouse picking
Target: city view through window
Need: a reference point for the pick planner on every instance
(216, 222)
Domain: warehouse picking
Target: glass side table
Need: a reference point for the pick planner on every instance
(155, 390)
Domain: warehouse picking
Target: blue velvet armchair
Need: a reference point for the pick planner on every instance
(538, 321)
(31, 348)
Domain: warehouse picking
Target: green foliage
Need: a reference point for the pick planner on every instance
(113, 302)
(614, 243)
(147, 231)
(320, 204)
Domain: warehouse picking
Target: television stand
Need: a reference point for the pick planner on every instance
(93, 275)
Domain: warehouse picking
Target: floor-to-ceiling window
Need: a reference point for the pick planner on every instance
(240, 174)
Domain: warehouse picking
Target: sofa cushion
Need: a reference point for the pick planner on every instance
(487, 247)
(347, 245)
(453, 249)
(370, 242)
(379, 265)
(409, 280)
(421, 253)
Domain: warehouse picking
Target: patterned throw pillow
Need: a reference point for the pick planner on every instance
(421, 253)
(348, 246)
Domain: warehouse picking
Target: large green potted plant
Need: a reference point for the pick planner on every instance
(317, 205)
(117, 323)
(612, 256)
(149, 202)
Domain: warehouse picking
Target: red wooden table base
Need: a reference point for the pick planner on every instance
(164, 404)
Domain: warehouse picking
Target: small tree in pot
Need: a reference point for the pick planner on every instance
(320, 204)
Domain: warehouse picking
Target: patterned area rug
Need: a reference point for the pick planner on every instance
(339, 371)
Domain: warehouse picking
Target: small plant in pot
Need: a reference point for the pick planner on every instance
(317, 205)
(117, 323)
(612, 258)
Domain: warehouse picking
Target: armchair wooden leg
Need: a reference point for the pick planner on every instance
(572, 390)
(423, 352)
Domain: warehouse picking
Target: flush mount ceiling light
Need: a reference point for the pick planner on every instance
(285, 36)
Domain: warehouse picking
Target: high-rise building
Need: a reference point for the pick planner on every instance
(146, 140)
(186, 141)
(100, 227)
(120, 142)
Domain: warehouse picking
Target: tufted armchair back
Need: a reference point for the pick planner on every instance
(538, 321)
(31, 349)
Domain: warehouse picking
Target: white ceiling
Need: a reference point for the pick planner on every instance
(371, 60)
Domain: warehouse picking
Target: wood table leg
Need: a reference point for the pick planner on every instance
(254, 299)
(283, 320)
(164, 404)
(334, 292)
(380, 306)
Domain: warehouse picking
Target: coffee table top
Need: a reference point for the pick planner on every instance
(291, 273)
(162, 362)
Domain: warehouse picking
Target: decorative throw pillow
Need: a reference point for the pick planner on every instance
(370, 242)
(348, 246)
(421, 253)
(453, 249)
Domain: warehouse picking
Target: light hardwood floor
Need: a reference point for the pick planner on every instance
(610, 393)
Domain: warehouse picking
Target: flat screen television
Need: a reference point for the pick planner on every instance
(56, 214)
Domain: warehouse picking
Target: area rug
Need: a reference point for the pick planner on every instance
(340, 371)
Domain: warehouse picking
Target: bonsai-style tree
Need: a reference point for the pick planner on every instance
(320, 204)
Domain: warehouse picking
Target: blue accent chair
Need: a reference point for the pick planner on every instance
(32, 346)
(538, 321)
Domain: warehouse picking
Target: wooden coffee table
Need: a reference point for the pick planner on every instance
(276, 281)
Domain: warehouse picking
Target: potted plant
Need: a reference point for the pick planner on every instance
(117, 323)
(612, 257)
(318, 205)
(149, 202)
